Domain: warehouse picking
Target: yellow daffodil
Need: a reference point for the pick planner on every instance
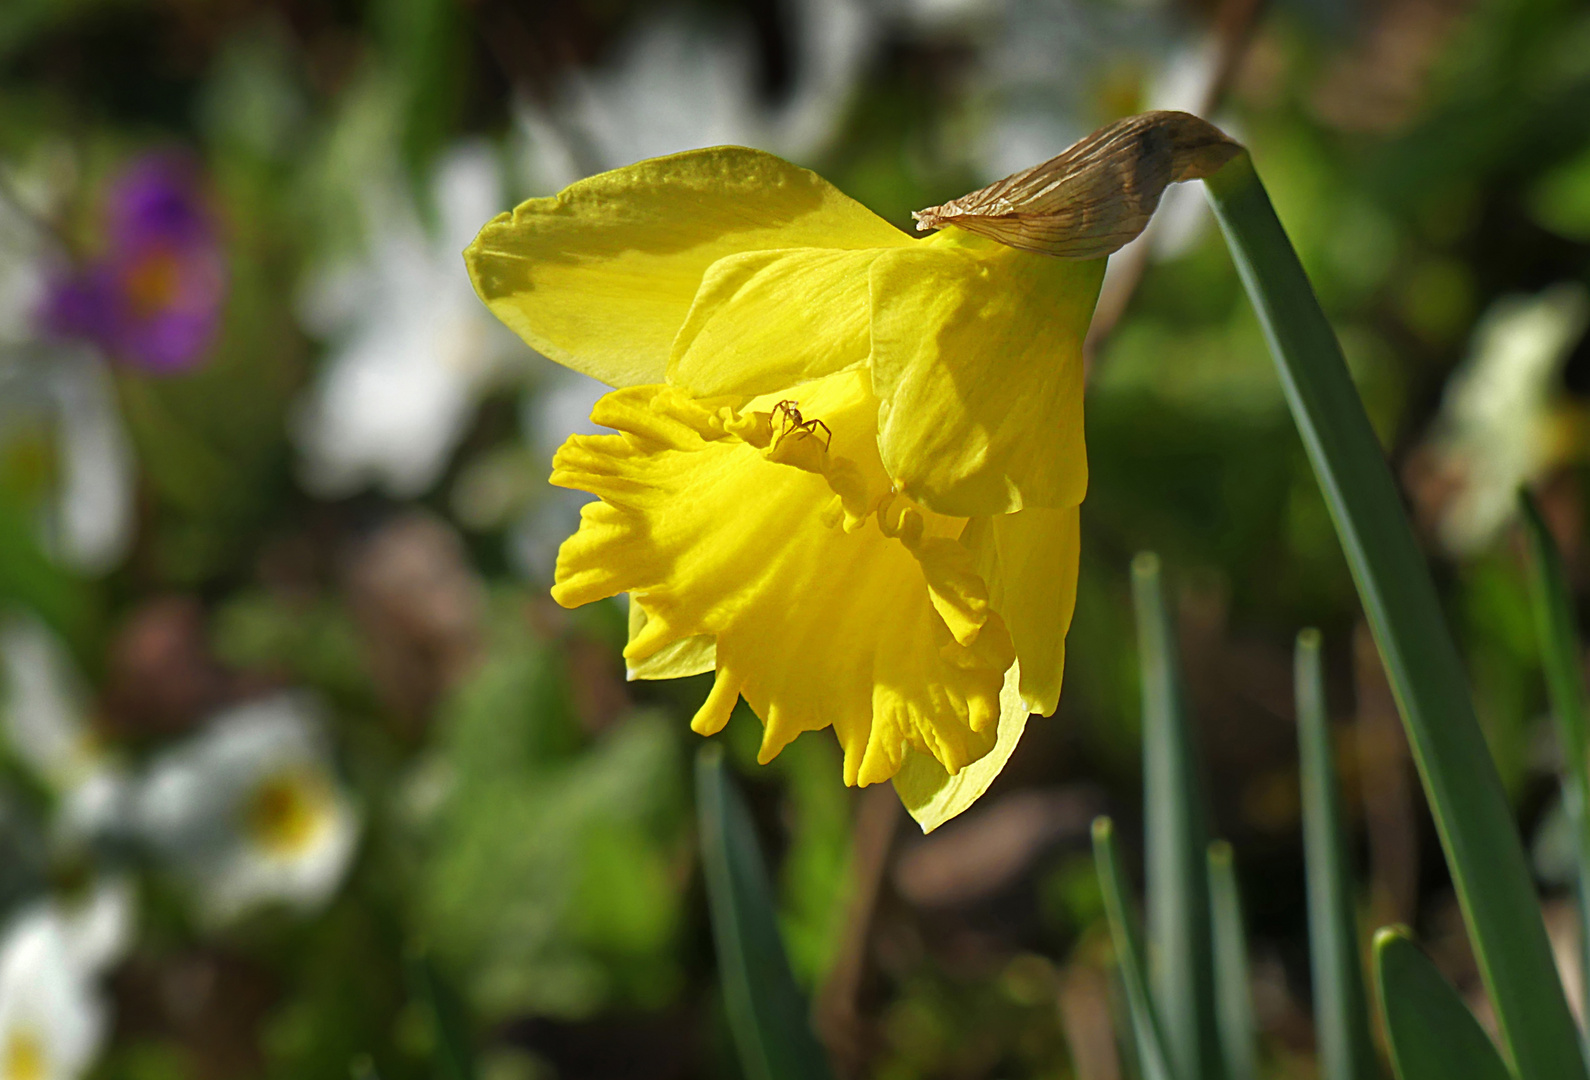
(848, 461)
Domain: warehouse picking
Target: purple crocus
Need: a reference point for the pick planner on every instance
(152, 296)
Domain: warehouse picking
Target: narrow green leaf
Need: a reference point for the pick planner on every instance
(1233, 995)
(1125, 1027)
(1433, 1035)
(767, 1015)
(454, 1053)
(1176, 840)
(1559, 639)
(1147, 1034)
(1560, 653)
(1341, 1007)
(1470, 808)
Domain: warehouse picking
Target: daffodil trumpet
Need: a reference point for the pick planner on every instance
(847, 462)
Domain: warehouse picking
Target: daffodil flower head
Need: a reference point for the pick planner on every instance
(847, 463)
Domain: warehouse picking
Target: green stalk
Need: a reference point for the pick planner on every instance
(1233, 993)
(1560, 653)
(1341, 1007)
(1176, 842)
(1147, 1033)
(1471, 810)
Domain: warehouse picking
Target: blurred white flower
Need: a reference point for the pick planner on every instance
(1042, 65)
(58, 406)
(51, 1020)
(679, 83)
(93, 520)
(413, 349)
(250, 810)
(1499, 425)
(58, 396)
(21, 271)
(45, 706)
(94, 926)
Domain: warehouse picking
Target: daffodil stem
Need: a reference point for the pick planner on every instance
(1471, 810)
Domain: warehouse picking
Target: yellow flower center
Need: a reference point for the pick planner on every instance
(24, 1057)
(287, 811)
(153, 283)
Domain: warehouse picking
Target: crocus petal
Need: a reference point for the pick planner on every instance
(977, 361)
(764, 320)
(601, 277)
(932, 796)
(821, 616)
(1029, 560)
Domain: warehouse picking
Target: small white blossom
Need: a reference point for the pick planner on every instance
(51, 1019)
(1495, 431)
(413, 349)
(250, 812)
(61, 394)
(96, 926)
(61, 398)
(679, 83)
(44, 705)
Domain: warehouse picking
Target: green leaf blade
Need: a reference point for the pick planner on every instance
(1433, 1035)
(1471, 810)
(767, 1014)
(1551, 598)
(1176, 842)
(454, 1055)
(1147, 1034)
(1552, 602)
(1233, 994)
(1341, 1008)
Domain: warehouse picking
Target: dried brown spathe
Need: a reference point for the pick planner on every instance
(1097, 195)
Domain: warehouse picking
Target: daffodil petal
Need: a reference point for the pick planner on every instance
(602, 276)
(977, 363)
(932, 796)
(676, 660)
(815, 625)
(764, 320)
(1029, 561)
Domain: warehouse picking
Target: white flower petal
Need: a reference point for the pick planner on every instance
(414, 348)
(95, 501)
(44, 702)
(47, 1003)
(201, 808)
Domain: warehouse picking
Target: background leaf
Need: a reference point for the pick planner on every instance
(1561, 656)
(1181, 966)
(1341, 1008)
(1466, 797)
(766, 1012)
(1148, 1038)
(1433, 1035)
(1233, 994)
